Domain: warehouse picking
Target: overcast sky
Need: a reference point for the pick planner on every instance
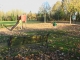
(24, 5)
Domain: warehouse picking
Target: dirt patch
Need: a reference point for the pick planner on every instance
(40, 26)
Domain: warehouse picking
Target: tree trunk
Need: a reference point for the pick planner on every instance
(45, 18)
(70, 18)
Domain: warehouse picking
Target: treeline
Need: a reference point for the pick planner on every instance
(61, 10)
(12, 15)
(66, 9)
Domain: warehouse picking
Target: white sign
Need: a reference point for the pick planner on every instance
(74, 17)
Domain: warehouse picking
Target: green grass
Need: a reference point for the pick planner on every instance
(11, 23)
(58, 39)
(61, 39)
(7, 22)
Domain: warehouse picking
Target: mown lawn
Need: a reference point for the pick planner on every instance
(11, 23)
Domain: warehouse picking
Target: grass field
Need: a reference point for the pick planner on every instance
(66, 41)
(11, 23)
(57, 40)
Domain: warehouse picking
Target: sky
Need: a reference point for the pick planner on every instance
(24, 5)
